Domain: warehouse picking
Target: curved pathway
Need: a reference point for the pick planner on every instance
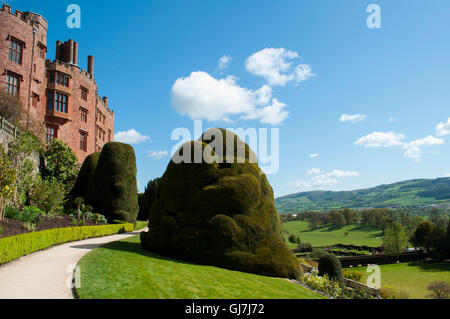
(46, 274)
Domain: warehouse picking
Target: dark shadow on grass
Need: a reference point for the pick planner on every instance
(130, 247)
(365, 228)
(431, 266)
(86, 246)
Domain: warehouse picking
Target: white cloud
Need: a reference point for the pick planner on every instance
(131, 137)
(275, 67)
(201, 96)
(414, 148)
(443, 129)
(303, 72)
(381, 139)
(224, 62)
(322, 180)
(337, 173)
(272, 114)
(157, 154)
(314, 155)
(352, 118)
(447, 175)
(314, 171)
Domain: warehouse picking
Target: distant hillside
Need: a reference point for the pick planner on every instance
(412, 193)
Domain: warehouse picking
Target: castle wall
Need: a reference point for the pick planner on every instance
(69, 124)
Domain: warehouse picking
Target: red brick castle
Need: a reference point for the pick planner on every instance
(59, 93)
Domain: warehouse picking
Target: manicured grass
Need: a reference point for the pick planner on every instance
(123, 270)
(326, 236)
(413, 278)
(140, 225)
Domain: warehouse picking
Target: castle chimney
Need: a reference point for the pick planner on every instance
(58, 53)
(91, 64)
(75, 53)
(70, 52)
(105, 101)
(65, 52)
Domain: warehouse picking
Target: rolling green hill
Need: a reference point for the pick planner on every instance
(412, 193)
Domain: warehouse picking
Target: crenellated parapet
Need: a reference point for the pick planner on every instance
(27, 17)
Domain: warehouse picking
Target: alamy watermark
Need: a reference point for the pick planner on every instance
(74, 19)
(374, 19)
(257, 139)
(374, 279)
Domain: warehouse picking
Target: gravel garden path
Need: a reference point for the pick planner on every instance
(47, 274)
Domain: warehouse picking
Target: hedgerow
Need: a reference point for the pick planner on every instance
(20, 245)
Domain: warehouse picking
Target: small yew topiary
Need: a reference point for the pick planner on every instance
(85, 174)
(112, 189)
(219, 213)
(330, 265)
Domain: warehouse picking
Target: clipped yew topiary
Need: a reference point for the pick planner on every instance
(147, 198)
(84, 176)
(330, 265)
(219, 211)
(112, 190)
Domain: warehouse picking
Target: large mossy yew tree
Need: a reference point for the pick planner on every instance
(107, 182)
(219, 211)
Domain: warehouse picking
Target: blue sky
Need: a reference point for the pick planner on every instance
(299, 66)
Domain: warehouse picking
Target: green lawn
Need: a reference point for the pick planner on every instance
(140, 225)
(413, 278)
(326, 236)
(122, 270)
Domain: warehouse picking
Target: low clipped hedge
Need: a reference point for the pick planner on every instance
(20, 245)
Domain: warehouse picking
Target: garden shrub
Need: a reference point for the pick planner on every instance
(392, 293)
(47, 195)
(318, 253)
(28, 215)
(112, 190)
(330, 265)
(323, 284)
(84, 176)
(351, 274)
(12, 213)
(294, 239)
(20, 245)
(219, 214)
(147, 198)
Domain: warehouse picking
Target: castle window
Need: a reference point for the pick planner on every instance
(42, 52)
(83, 141)
(50, 134)
(12, 83)
(84, 93)
(15, 50)
(51, 76)
(61, 102)
(34, 99)
(62, 79)
(57, 101)
(84, 114)
(50, 100)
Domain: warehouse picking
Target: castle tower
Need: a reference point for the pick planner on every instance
(57, 93)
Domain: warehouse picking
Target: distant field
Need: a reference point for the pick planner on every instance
(414, 278)
(325, 236)
(123, 270)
